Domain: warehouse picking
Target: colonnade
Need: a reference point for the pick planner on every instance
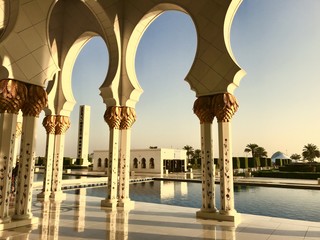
(56, 127)
(222, 106)
(120, 121)
(30, 99)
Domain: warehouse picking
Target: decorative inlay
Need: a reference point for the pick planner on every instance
(36, 101)
(113, 117)
(18, 129)
(62, 124)
(128, 117)
(224, 106)
(202, 107)
(13, 95)
(49, 123)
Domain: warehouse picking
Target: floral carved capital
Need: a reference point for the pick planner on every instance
(224, 106)
(128, 117)
(62, 124)
(113, 117)
(202, 107)
(13, 95)
(36, 101)
(49, 123)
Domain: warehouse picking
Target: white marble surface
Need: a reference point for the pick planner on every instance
(80, 217)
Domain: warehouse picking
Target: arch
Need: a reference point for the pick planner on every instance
(143, 163)
(99, 162)
(134, 40)
(9, 17)
(135, 163)
(106, 162)
(151, 163)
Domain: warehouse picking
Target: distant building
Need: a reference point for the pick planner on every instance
(155, 160)
(83, 134)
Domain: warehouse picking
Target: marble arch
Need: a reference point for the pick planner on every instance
(38, 44)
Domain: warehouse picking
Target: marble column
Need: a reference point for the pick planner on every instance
(49, 123)
(62, 125)
(36, 101)
(203, 109)
(113, 117)
(12, 97)
(128, 117)
(225, 105)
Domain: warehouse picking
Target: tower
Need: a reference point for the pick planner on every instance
(83, 134)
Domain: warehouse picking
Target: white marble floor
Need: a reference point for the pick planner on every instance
(81, 217)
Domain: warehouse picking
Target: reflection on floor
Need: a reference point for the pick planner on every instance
(81, 217)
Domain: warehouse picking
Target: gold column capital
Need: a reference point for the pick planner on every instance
(202, 107)
(113, 116)
(128, 117)
(49, 123)
(13, 95)
(62, 124)
(36, 101)
(224, 106)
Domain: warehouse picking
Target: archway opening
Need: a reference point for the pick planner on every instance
(164, 56)
(279, 50)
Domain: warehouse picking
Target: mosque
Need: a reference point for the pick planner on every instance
(39, 42)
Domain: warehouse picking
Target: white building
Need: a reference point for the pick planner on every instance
(83, 134)
(156, 160)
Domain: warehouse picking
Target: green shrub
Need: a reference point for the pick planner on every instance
(294, 175)
(243, 162)
(235, 163)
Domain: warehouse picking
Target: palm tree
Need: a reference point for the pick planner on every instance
(310, 152)
(260, 152)
(197, 156)
(190, 152)
(251, 148)
(295, 156)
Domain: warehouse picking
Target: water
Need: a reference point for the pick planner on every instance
(275, 202)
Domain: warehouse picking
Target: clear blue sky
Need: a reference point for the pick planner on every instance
(277, 42)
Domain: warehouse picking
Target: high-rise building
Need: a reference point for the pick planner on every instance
(83, 134)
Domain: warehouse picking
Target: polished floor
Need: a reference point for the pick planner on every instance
(81, 217)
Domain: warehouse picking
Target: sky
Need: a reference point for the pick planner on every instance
(277, 42)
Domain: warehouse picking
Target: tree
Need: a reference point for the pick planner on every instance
(295, 156)
(310, 152)
(260, 152)
(197, 156)
(251, 148)
(256, 150)
(190, 152)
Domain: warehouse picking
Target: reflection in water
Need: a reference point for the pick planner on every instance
(50, 219)
(248, 199)
(80, 213)
(117, 224)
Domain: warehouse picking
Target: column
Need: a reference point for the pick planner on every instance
(36, 101)
(128, 117)
(225, 105)
(49, 123)
(62, 125)
(12, 97)
(16, 145)
(113, 117)
(203, 109)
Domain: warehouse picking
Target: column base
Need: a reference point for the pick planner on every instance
(5, 220)
(234, 217)
(19, 223)
(57, 196)
(126, 204)
(17, 217)
(110, 204)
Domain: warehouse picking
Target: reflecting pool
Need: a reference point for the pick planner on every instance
(276, 202)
